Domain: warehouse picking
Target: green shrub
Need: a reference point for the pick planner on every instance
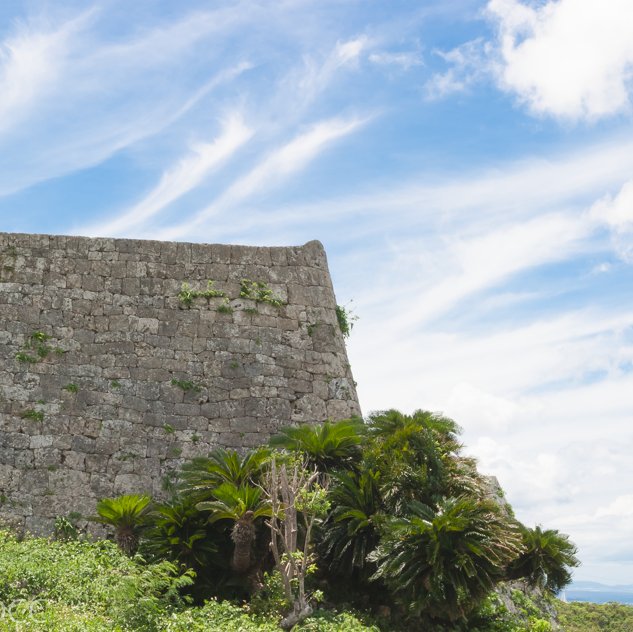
(593, 617)
(75, 585)
(79, 586)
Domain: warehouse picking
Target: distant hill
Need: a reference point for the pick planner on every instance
(595, 592)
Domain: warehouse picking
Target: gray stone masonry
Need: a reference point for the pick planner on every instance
(108, 380)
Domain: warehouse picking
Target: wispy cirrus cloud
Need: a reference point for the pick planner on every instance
(31, 62)
(402, 59)
(74, 100)
(617, 213)
(468, 64)
(180, 179)
(272, 170)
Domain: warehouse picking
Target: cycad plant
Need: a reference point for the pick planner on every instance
(442, 561)
(180, 533)
(128, 515)
(350, 531)
(326, 446)
(414, 454)
(201, 476)
(389, 422)
(242, 505)
(546, 561)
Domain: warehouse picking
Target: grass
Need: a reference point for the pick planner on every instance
(31, 413)
(225, 308)
(186, 385)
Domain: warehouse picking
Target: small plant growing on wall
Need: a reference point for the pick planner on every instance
(186, 385)
(346, 319)
(259, 292)
(36, 348)
(71, 388)
(31, 413)
(187, 294)
(225, 308)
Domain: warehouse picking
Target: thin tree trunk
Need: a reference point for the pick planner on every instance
(243, 536)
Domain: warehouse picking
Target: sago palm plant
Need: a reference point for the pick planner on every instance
(350, 531)
(326, 446)
(201, 476)
(547, 559)
(413, 454)
(442, 561)
(242, 505)
(127, 514)
(391, 423)
(180, 533)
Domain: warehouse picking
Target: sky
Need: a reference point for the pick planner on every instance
(467, 164)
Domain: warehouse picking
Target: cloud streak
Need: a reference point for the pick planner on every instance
(274, 169)
(182, 178)
(73, 102)
(31, 62)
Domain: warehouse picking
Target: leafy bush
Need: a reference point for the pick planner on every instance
(77, 577)
(593, 617)
(93, 587)
(408, 529)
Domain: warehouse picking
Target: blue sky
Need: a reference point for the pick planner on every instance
(468, 166)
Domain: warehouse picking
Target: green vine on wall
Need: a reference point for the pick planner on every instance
(225, 307)
(187, 294)
(259, 292)
(346, 319)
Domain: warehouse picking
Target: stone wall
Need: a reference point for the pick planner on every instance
(108, 379)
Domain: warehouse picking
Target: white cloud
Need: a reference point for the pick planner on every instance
(349, 52)
(315, 76)
(468, 64)
(484, 411)
(617, 213)
(477, 201)
(404, 60)
(31, 62)
(186, 175)
(273, 169)
(485, 257)
(570, 59)
(73, 100)
(621, 506)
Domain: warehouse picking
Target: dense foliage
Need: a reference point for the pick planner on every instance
(383, 515)
(546, 559)
(80, 586)
(592, 617)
